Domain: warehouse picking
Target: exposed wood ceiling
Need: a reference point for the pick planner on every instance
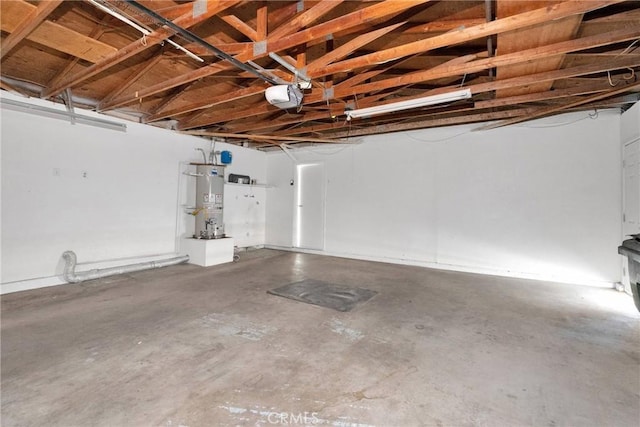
(520, 59)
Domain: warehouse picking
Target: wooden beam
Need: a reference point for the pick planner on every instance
(565, 73)
(96, 33)
(241, 26)
(447, 121)
(444, 25)
(208, 103)
(344, 22)
(529, 37)
(453, 69)
(275, 44)
(286, 120)
(262, 21)
(620, 63)
(52, 35)
(228, 115)
(314, 129)
(302, 20)
(185, 21)
(556, 11)
(28, 24)
(349, 47)
(171, 98)
(139, 72)
(544, 96)
(261, 137)
(547, 111)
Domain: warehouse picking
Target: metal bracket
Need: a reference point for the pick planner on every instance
(327, 94)
(68, 102)
(199, 7)
(259, 48)
(300, 6)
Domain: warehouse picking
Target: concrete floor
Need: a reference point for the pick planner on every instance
(189, 346)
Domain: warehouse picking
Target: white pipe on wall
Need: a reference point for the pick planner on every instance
(71, 276)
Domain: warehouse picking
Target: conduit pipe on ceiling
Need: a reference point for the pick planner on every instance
(71, 276)
(188, 35)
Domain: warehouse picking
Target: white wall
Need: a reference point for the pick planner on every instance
(630, 124)
(539, 200)
(125, 207)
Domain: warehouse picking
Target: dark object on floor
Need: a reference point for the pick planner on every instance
(341, 298)
(631, 249)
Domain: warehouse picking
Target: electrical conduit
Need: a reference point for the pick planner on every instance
(71, 276)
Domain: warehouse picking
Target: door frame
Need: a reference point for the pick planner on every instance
(296, 201)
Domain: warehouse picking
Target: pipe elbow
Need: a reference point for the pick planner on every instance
(69, 273)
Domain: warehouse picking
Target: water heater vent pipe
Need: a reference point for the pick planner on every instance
(71, 276)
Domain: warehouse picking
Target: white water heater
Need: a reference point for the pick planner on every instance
(209, 201)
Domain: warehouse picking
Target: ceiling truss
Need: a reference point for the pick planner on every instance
(521, 60)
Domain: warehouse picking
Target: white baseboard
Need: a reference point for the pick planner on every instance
(452, 267)
(43, 282)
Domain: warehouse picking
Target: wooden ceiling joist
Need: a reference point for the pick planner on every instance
(276, 44)
(620, 63)
(487, 63)
(50, 34)
(187, 20)
(584, 89)
(520, 60)
(28, 24)
(546, 111)
(133, 78)
(208, 103)
(263, 137)
(498, 26)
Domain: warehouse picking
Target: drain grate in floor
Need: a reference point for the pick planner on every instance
(341, 298)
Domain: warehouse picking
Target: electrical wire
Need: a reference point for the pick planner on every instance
(628, 49)
(592, 116)
(436, 140)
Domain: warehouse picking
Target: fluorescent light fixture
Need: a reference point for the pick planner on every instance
(53, 113)
(412, 103)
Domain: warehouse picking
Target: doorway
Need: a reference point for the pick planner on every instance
(309, 207)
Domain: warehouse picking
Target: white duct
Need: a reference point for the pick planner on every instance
(71, 276)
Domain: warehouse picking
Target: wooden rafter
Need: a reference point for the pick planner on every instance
(348, 48)
(208, 103)
(466, 67)
(133, 78)
(583, 89)
(546, 111)
(276, 44)
(551, 56)
(28, 24)
(620, 63)
(186, 21)
(51, 34)
(498, 26)
(263, 137)
(305, 18)
(262, 21)
(447, 121)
